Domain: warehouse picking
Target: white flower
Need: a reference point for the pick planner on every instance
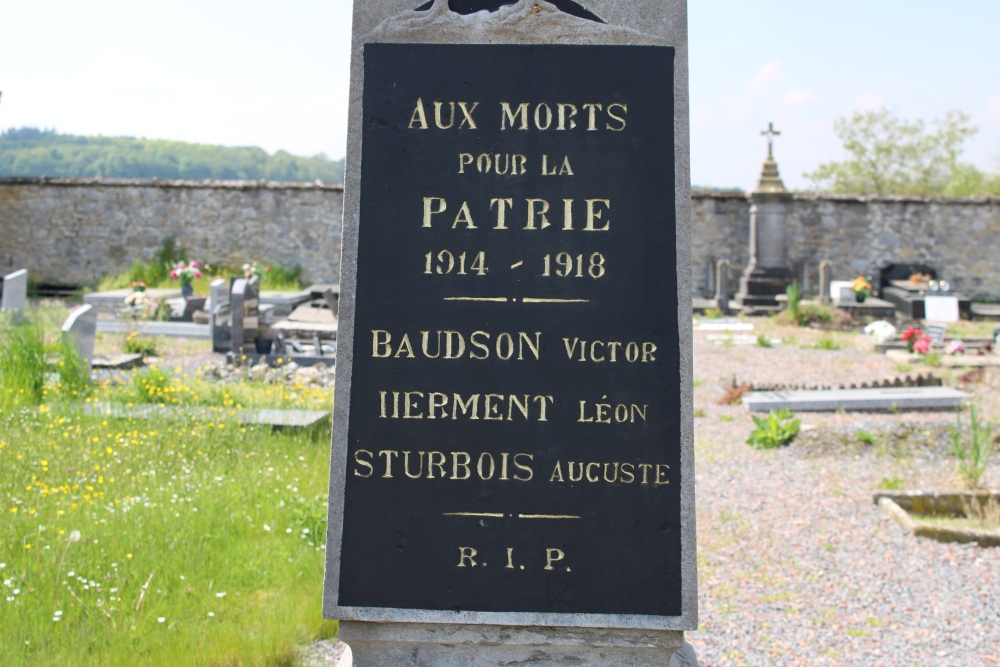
(70, 574)
(220, 594)
(16, 591)
(3, 565)
(58, 613)
(6, 582)
(161, 619)
(74, 536)
(267, 527)
(211, 613)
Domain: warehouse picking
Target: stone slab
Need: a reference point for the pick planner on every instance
(275, 360)
(724, 325)
(313, 316)
(872, 307)
(446, 645)
(279, 419)
(830, 400)
(172, 329)
(118, 362)
(307, 329)
(15, 292)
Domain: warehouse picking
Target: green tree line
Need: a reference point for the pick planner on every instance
(32, 152)
(888, 155)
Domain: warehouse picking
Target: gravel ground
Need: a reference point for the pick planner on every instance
(796, 565)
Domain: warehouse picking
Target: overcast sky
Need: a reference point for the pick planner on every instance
(275, 74)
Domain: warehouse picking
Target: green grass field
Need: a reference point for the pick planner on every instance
(153, 542)
(158, 543)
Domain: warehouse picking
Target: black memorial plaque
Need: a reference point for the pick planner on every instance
(514, 430)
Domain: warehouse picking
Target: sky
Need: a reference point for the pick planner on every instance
(275, 74)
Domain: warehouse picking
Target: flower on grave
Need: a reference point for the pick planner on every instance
(252, 269)
(862, 287)
(881, 330)
(186, 273)
(955, 347)
(138, 286)
(923, 345)
(911, 336)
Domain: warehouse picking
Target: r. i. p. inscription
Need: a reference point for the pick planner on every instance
(514, 437)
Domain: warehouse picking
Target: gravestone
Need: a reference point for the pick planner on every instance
(218, 311)
(516, 213)
(767, 273)
(722, 285)
(825, 269)
(80, 330)
(15, 292)
(243, 305)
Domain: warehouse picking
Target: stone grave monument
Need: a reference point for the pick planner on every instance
(512, 471)
(80, 330)
(243, 305)
(767, 273)
(15, 292)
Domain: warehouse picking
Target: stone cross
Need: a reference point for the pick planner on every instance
(80, 330)
(15, 292)
(770, 133)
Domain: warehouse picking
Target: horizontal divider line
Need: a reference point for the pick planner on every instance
(503, 299)
(501, 515)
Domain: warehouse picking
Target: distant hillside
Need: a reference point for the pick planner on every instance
(31, 152)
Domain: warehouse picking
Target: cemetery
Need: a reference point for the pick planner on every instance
(475, 427)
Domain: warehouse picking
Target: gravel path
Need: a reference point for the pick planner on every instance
(796, 565)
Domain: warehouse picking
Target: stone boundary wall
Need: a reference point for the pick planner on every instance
(72, 231)
(958, 237)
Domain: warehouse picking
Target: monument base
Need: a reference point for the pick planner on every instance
(434, 645)
(759, 287)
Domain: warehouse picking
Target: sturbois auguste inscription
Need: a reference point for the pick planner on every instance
(514, 430)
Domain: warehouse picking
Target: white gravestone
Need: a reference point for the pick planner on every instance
(15, 292)
(941, 308)
(80, 329)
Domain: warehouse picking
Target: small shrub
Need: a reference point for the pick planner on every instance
(971, 448)
(891, 484)
(151, 386)
(794, 295)
(763, 341)
(775, 430)
(136, 344)
(933, 359)
(866, 437)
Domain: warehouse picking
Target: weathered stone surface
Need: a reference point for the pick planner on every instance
(70, 231)
(828, 400)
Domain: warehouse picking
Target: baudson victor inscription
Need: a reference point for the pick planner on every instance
(514, 433)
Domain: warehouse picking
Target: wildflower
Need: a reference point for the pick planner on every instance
(161, 619)
(74, 536)
(211, 613)
(220, 594)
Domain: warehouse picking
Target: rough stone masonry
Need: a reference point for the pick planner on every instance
(71, 231)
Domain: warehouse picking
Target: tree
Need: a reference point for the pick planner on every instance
(892, 156)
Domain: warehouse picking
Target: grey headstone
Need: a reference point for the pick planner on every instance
(218, 294)
(80, 330)
(244, 306)
(830, 400)
(936, 333)
(825, 275)
(722, 285)
(15, 292)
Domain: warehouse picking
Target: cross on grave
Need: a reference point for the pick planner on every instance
(770, 133)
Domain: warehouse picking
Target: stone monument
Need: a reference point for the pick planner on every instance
(767, 273)
(512, 471)
(80, 330)
(15, 292)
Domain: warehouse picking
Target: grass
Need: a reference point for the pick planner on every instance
(133, 343)
(156, 386)
(902, 368)
(31, 352)
(971, 447)
(825, 342)
(156, 273)
(763, 341)
(157, 543)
